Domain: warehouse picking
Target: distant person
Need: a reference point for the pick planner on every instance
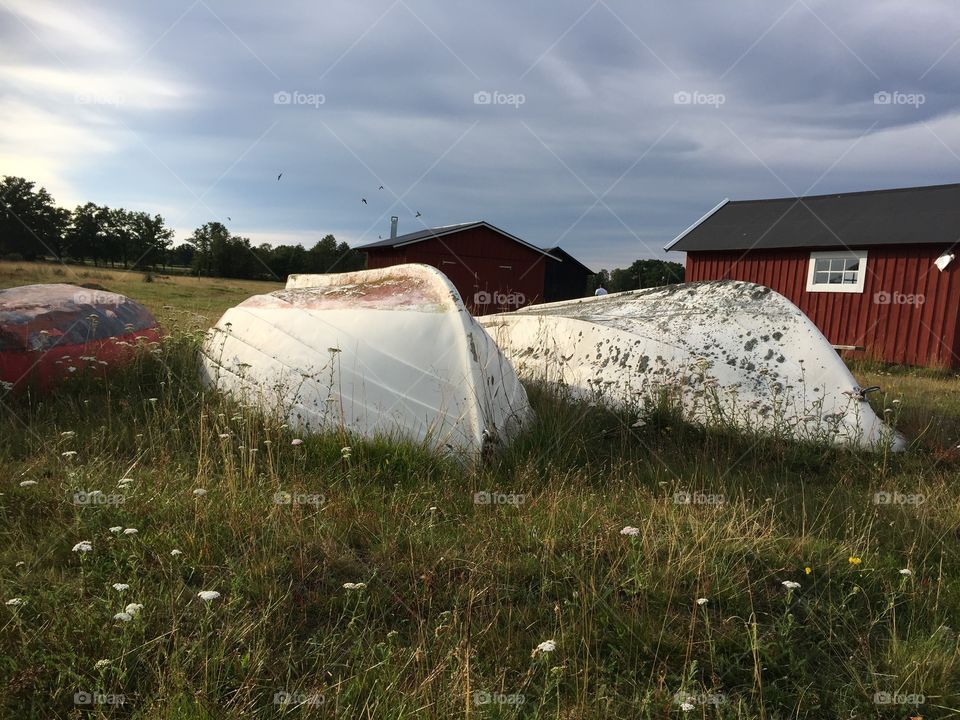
(599, 291)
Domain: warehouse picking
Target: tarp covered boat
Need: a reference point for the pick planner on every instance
(725, 352)
(389, 352)
(48, 332)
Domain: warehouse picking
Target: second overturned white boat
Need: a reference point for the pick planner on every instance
(390, 352)
(728, 353)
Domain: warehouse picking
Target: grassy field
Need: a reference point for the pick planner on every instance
(176, 300)
(684, 615)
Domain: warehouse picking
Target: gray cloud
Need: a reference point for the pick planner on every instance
(176, 111)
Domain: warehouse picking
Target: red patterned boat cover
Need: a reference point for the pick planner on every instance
(51, 331)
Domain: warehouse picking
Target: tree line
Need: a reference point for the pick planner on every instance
(33, 227)
(641, 274)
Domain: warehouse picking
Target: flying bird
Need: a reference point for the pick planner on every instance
(418, 213)
(229, 218)
(363, 200)
(381, 187)
(279, 176)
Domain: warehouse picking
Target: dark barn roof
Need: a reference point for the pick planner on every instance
(564, 256)
(918, 215)
(428, 233)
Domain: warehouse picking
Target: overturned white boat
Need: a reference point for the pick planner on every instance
(382, 353)
(726, 353)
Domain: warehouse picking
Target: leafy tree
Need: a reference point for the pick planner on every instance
(149, 239)
(203, 240)
(182, 255)
(31, 225)
(86, 235)
(645, 274)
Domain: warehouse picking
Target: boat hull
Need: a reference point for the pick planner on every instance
(379, 353)
(50, 332)
(724, 353)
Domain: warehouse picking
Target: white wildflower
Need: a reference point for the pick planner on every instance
(208, 595)
(15, 602)
(133, 609)
(125, 617)
(296, 441)
(346, 452)
(116, 529)
(28, 483)
(702, 601)
(906, 572)
(130, 531)
(67, 434)
(83, 546)
(199, 492)
(176, 553)
(687, 706)
(630, 530)
(790, 584)
(224, 436)
(100, 664)
(354, 586)
(69, 453)
(121, 587)
(547, 646)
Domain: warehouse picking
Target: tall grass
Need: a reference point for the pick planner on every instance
(456, 595)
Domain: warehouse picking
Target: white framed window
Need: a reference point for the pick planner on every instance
(837, 271)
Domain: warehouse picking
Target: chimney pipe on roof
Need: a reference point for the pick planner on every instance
(393, 226)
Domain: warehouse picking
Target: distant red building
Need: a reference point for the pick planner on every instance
(493, 270)
(873, 270)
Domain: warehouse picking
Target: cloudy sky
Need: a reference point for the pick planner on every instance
(607, 127)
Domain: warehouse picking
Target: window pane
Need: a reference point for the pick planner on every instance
(836, 278)
(821, 265)
(852, 264)
(821, 278)
(849, 278)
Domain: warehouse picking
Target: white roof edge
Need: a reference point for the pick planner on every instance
(686, 232)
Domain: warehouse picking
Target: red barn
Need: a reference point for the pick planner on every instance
(875, 271)
(493, 270)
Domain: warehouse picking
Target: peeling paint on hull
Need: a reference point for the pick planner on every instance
(726, 352)
(380, 353)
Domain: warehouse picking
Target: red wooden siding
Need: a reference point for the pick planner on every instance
(909, 333)
(477, 260)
